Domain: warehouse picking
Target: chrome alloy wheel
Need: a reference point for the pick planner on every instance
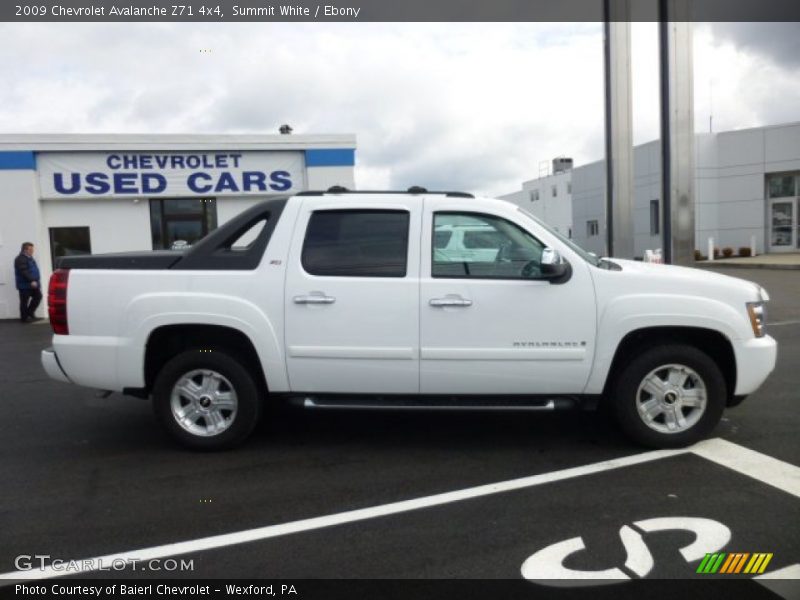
(671, 399)
(203, 402)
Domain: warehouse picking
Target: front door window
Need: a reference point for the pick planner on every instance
(478, 246)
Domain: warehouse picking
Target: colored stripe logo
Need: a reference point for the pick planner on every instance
(729, 563)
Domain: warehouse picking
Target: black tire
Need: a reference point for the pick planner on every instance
(624, 402)
(235, 377)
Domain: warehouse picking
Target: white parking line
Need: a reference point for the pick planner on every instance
(765, 469)
(790, 572)
(272, 531)
(784, 582)
(779, 323)
(756, 465)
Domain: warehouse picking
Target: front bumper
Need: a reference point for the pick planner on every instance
(52, 367)
(755, 360)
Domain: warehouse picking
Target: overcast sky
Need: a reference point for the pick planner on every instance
(478, 107)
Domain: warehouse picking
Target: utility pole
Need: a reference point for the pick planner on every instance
(677, 131)
(619, 137)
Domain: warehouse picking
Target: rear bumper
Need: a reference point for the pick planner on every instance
(52, 367)
(90, 361)
(755, 360)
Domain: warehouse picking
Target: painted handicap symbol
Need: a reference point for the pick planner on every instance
(546, 566)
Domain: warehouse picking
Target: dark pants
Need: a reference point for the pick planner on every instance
(28, 302)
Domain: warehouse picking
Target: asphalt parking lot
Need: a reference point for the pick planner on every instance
(88, 477)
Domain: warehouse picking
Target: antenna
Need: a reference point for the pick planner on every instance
(711, 105)
(544, 168)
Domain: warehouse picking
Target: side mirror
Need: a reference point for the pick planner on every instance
(553, 266)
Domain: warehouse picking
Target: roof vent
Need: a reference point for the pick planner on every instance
(561, 164)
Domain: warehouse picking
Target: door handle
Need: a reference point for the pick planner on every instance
(314, 299)
(450, 301)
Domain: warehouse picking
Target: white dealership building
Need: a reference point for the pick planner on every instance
(747, 187)
(73, 194)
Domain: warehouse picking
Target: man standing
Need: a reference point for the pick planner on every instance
(27, 274)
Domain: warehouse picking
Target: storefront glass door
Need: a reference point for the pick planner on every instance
(781, 217)
(783, 213)
(177, 223)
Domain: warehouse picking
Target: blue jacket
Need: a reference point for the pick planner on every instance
(26, 271)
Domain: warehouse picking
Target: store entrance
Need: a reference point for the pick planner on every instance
(782, 217)
(178, 223)
(783, 212)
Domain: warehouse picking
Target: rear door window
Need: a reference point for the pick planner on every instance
(356, 243)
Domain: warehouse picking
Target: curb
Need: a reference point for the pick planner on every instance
(774, 267)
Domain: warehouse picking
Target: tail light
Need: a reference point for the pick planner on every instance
(57, 301)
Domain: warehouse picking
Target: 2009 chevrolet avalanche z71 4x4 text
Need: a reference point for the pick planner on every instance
(413, 300)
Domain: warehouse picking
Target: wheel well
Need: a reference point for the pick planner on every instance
(166, 342)
(713, 343)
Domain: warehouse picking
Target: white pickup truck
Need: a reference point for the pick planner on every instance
(350, 300)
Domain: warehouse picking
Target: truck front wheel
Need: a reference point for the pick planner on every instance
(206, 399)
(669, 396)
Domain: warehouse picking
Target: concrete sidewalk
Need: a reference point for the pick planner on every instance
(763, 261)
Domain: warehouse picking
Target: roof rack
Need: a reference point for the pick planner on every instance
(338, 189)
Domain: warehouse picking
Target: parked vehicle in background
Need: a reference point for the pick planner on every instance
(466, 239)
(179, 245)
(415, 300)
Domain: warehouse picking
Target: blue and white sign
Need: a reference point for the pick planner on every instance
(174, 174)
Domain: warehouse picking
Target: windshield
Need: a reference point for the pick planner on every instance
(590, 258)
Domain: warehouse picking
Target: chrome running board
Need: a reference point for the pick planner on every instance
(349, 404)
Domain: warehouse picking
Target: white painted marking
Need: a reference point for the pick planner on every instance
(790, 572)
(783, 582)
(272, 531)
(638, 559)
(759, 466)
(547, 567)
(779, 323)
(711, 535)
(774, 472)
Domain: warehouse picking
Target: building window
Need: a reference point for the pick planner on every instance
(555, 191)
(534, 195)
(781, 186)
(69, 241)
(177, 223)
(592, 228)
(569, 187)
(356, 243)
(655, 218)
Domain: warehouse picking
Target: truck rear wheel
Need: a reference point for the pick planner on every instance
(206, 400)
(669, 396)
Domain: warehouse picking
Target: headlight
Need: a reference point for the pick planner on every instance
(758, 317)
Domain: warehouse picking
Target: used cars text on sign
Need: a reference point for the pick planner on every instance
(94, 174)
